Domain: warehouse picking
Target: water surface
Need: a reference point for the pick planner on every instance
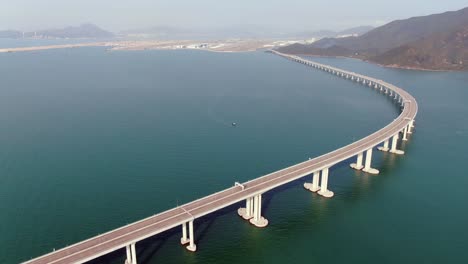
(92, 140)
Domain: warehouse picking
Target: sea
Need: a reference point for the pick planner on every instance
(91, 140)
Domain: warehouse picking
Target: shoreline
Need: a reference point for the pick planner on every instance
(47, 47)
(228, 47)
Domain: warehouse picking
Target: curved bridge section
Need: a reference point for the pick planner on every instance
(126, 237)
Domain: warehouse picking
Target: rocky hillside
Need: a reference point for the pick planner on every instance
(448, 51)
(433, 42)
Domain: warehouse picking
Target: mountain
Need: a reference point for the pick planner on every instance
(82, 31)
(446, 50)
(397, 38)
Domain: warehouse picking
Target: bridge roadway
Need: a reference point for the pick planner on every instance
(130, 234)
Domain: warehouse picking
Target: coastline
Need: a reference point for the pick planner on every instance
(47, 47)
(213, 46)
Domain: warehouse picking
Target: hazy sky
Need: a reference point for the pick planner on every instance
(295, 15)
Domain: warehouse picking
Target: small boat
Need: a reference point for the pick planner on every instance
(234, 124)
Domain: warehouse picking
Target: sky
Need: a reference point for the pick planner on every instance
(285, 15)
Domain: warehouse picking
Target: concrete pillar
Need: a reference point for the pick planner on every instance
(314, 186)
(358, 164)
(133, 252)
(404, 133)
(248, 207)
(394, 146)
(410, 127)
(247, 212)
(129, 255)
(259, 211)
(184, 239)
(258, 220)
(324, 185)
(255, 214)
(367, 166)
(385, 146)
(192, 247)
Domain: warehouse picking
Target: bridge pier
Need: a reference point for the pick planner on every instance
(247, 212)
(394, 146)
(385, 146)
(367, 166)
(258, 220)
(405, 130)
(314, 186)
(191, 247)
(358, 164)
(410, 126)
(131, 254)
(324, 185)
(184, 239)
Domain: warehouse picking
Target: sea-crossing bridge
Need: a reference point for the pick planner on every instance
(385, 139)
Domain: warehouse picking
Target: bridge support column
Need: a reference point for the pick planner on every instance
(410, 127)
(314, 186)
(247, 212)
(258, 220)
(367, 167)
(394, 146)
(358, 164)
(405, 130)
(192, 247)
(131, 254)
(184, 239)
(385, 146)
(324, 185)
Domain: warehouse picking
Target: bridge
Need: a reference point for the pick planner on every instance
(184, 216)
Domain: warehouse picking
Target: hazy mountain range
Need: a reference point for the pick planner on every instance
(82, 31)
(435, 42)
(174, 33)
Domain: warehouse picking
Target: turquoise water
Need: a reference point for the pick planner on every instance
(92, 140)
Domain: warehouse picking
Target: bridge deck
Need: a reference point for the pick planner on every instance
(119, 238)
